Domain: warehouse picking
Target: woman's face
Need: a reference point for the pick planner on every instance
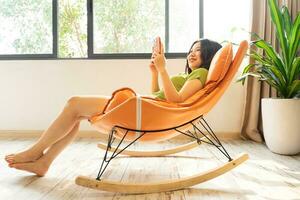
(194, 59)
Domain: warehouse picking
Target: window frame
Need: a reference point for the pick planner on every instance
(93, 55)
(90, 39)
(52, 55)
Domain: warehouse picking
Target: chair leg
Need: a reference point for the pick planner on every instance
(106, 159)
(217, 143)
(208, 138)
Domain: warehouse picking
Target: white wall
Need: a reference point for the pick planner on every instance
(33, 92)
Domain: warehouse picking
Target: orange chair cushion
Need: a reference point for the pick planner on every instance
(220, 64)
(118, 97)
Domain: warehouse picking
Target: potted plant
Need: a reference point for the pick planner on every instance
(281, 70)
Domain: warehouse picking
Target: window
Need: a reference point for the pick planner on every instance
(184, 25)
(223, 20)
(114, 28)
(122, 26)
(126, 28)
(27, 28)
(72, 31)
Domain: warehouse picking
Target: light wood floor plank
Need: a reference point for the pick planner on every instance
(277, 174)
(264, 176)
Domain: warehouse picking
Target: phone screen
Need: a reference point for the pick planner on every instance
(156, 44)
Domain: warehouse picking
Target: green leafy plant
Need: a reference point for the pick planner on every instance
(280, 69)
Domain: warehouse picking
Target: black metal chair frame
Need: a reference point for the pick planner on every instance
(210, 138)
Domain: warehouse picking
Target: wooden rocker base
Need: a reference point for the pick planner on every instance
(160, 186)
(154, 153)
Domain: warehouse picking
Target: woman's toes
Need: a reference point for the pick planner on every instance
(9, 161)
(9, 158)
(37, 168)
(23, 157)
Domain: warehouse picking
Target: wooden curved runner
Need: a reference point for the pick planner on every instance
(177, 149)
(160, 186)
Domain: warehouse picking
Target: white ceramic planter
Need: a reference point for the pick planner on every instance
(281, 125)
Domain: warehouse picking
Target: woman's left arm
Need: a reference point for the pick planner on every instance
(188, 89)
(171, 94)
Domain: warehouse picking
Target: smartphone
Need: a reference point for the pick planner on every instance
(157, 44)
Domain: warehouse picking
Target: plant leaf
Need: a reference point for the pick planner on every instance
(270, 52)
(261, 59)
(248, 67)
(294, 89)
(278, 75)
(272, 76)
(295, 71)
(244, 76)
(264, 62)
(287, 21)
(270, 82)
(295, 38)
(278, 21)
(272, 79)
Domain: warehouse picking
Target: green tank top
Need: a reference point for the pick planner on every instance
(180, 79)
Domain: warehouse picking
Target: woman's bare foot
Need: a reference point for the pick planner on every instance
(23, 157)
(38, 167)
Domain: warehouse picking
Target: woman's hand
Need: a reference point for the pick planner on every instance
(153, 69)
(158, 59)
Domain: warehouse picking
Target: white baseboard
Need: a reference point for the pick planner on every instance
(38, 133)
(93, 134)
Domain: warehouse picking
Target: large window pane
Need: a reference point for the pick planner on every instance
(120, 26)
(26, 27)
(221, 17)
(72, 39)
(184, 24)
(127, 26)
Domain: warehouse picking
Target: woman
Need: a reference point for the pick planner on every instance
(38, 158)
(184, 85)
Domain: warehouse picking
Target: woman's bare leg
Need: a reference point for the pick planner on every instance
(76, 109)
(61, 126)
(41, 166)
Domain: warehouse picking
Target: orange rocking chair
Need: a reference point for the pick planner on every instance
(132, 118)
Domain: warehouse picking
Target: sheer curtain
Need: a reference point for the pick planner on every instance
(255, 90)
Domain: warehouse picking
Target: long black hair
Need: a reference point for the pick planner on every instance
(208, 49)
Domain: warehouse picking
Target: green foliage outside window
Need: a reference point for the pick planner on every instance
(26, 26)
(127, 25)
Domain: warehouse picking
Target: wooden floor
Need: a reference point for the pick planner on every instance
(264, 176)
